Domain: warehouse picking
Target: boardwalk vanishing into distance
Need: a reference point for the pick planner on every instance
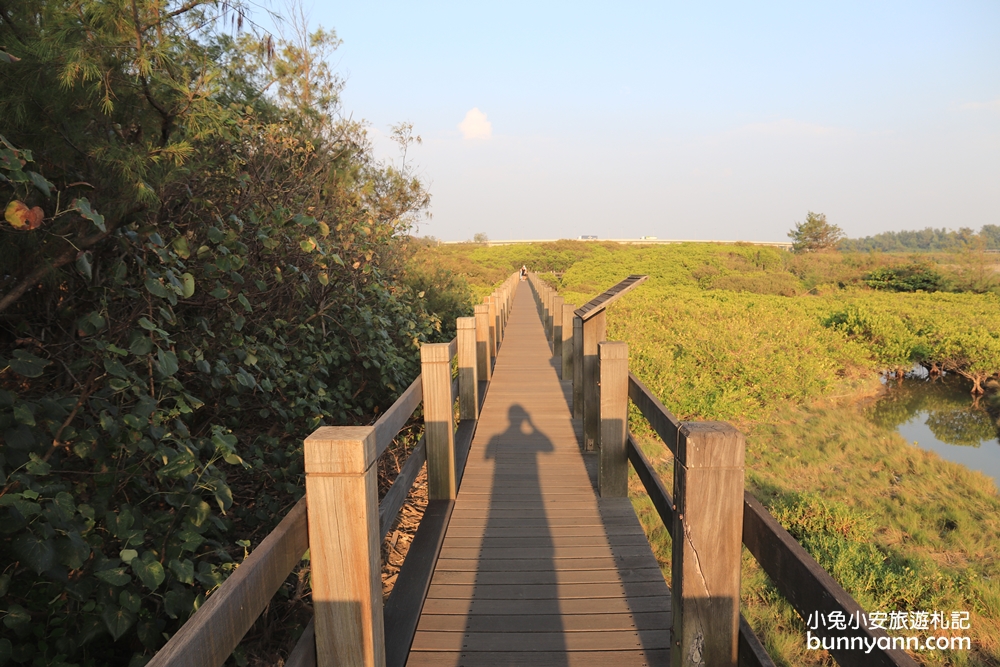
(536, 568)
(529, 551)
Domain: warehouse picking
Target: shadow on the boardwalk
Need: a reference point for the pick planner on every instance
(532, 602)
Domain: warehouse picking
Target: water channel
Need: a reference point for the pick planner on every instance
(941, 415)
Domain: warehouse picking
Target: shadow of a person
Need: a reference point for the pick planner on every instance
(516, 596)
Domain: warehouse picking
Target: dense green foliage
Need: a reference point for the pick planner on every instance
(200, 264)
(916, 277)
(926, 240)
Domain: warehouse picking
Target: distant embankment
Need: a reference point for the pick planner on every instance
(785, 245)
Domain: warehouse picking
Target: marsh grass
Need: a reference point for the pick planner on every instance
(898, 527)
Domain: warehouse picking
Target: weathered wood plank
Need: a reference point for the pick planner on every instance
(566, 607)
(439, 420)
(642, 658)
(594, 332)
(479, 591)
(614, 575)
(344, 545)
(708, 489)
(403, 608)
(612, 476)
(468, 379)
(608, 640)
(546, 623)
(597, 305)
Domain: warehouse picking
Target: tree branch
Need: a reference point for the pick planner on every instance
(4, 15)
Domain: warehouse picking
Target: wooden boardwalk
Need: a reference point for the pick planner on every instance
(536, 569)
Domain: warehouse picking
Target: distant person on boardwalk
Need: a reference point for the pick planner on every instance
(524, 272)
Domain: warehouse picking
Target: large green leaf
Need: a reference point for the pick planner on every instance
(183, 570)
(167, 361)
(39, 182)
(117, 620)
(116, 576)
(17, 616)
(149, 570)
(37, 553)
(83, 207)
(27, 364)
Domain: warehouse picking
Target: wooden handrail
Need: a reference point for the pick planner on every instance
(662, 420)
(394, 498)
(392, 420)
(808, 587)
(210, 635)
(795, 573)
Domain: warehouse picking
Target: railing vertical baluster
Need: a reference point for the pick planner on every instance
(577, 367)
(612, 476)
(468, 385)
(484, 369)
(707, 544)
(342, 492)
(567, 341)
(594, 332)
(557, 326)
(439, 420)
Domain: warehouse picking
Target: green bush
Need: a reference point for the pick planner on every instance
(908, 278)
(196, 275)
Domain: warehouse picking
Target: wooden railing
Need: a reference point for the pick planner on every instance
(342, 522)
(709, 515)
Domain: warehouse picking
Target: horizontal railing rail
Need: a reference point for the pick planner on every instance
(209, 637)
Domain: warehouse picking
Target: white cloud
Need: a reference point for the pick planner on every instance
(993, 105)
(475, 125)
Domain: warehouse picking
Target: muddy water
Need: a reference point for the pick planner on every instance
(941, 415)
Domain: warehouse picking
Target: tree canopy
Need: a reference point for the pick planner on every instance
(200, 261)
(815, 234)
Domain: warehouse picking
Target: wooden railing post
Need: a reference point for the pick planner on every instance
(557, 326)
(612, 476)
(707, 544)
(567, 342)
(494, 341)
(439, 420)
(344, 546)
(468, 380)
(498, 315)
(483, 366)
(594, 332)
(549, 294)
(577, 367)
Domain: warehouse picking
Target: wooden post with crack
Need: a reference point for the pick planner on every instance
(707, 544)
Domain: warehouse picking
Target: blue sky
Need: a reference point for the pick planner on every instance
(683, 120)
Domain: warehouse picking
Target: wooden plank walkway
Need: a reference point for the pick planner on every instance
(536, 569)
